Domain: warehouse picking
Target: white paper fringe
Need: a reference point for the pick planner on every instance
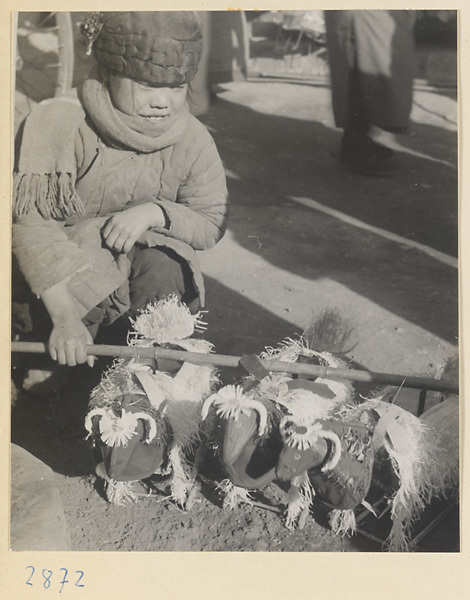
(342, 522)
(120, 492)
(299, 498)
(181, 481)
(165, 321)
(234, 496)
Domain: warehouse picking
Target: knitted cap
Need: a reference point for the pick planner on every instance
(158, 47)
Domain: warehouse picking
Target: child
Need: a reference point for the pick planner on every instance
(116, 190)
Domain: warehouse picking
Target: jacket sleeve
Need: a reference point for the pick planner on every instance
(199, 214)
(48, 253)
(44, 253)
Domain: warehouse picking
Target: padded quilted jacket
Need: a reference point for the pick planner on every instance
(186, 179)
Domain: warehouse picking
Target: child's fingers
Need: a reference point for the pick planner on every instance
(72, 353)
(116, 240)
(61, 356)
(90, 359)
(121, 242)
(107, 228)
(80, 354)
(52, 352)
(111, 237)
(129, 244)
(57, 351)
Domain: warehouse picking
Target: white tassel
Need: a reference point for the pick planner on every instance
(181, 482)
(234, 496)
(165, 321)
(120, 492)
(299, 500)
(415, 452)
(342, 522)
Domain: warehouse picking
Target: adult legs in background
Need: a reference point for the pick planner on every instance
(371, 66)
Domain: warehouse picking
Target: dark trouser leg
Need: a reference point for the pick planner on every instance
(155, 274)
(358, 121)
(358, 150)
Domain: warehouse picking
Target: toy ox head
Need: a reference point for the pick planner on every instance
(130, 440)
(307, 446)
(248, 453)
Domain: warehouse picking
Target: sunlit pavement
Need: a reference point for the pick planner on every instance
(306, 235)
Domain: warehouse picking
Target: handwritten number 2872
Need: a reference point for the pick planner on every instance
(48, 579)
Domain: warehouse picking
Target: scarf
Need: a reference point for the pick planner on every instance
(126, 132)
(46, 169)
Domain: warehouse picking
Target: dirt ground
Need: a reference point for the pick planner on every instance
(304, 235)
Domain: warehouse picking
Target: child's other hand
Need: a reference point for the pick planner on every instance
(68, 343)
(123, 229)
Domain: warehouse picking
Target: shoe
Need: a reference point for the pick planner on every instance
(361, 154)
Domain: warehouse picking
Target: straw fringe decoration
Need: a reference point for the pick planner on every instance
(299, 500)
(291, 350)
(176, 399)
(234, 496)
(181, 481)
(342, 522)
(165, 321)
(120, 492)
(416, 453)
(443, 421)
(116, 381)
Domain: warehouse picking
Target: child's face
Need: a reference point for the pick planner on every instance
(158, 104)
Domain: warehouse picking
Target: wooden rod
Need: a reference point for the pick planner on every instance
(369, 536)
(271, 364)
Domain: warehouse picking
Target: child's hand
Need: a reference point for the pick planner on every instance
(68, 343)
(69, 338)
(123, 229)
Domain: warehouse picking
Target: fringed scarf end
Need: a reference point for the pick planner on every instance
(52, 194)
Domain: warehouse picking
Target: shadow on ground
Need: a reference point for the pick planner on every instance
(272, 160)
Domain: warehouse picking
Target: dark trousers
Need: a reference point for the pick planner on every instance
(371, 58)
(155, 274)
